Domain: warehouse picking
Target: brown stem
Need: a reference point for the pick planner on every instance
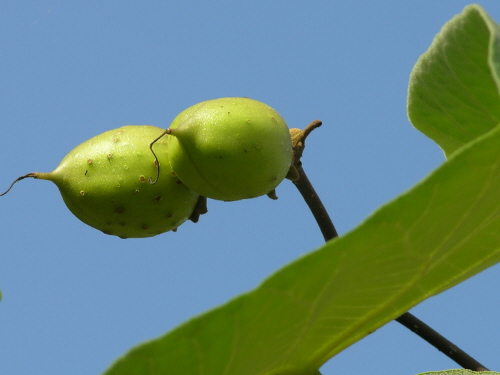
(439, 342)
(315, 205)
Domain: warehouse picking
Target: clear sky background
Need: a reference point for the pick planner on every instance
(75, 299)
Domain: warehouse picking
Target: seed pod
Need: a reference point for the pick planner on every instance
(104, 182)
(230, 148)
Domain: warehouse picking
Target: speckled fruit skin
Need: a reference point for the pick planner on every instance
(230, 148)
(104, 182)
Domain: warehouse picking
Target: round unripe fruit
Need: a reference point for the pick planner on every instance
(104, 182)
(230, 148)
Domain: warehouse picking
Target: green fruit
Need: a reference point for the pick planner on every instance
(230, 148)
(104, 182)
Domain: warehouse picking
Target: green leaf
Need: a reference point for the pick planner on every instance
(425, 241)
(434, 236)
(453, 94)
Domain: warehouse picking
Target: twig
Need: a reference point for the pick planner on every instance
(329, 232)
(318, 210)
(439, 342)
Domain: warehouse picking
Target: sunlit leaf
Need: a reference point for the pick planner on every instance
(453, 95)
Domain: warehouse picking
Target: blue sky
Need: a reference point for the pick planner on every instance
(75, 299)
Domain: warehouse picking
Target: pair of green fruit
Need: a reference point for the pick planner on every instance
(226, 149)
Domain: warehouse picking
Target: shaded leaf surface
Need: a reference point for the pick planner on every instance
(441, 232)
